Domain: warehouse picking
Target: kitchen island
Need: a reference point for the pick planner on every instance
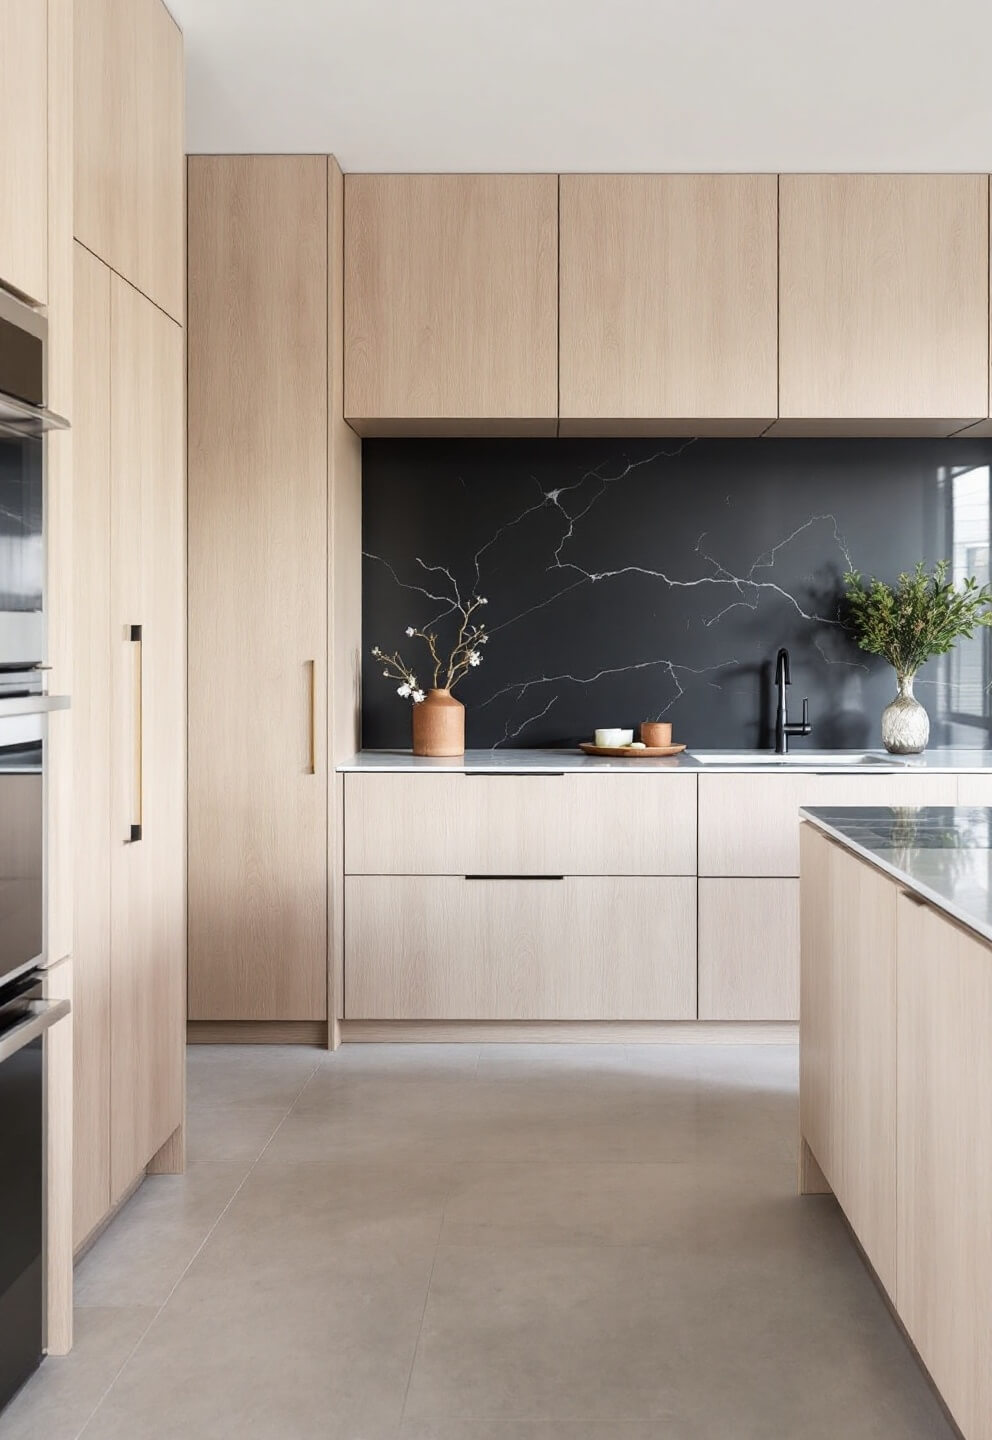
(896, 1068)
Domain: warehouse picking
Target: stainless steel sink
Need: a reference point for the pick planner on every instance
(808, 759)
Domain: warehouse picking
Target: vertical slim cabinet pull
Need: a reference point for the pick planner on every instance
(312, 767)
(135, 637)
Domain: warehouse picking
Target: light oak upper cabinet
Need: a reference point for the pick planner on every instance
(258, 477)
(24, 147)
(129, 737)
(884, 288)
(668, 304)
(129, 143)
(451, 319)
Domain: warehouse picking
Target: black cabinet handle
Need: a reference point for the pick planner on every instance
(514, 877)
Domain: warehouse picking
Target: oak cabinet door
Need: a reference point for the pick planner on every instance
(148, 729)
(91, 741)
(521, 824)
(452, 947)
(749, 824)
(258, 478)
(749, 949)
(129, 150)
(884, 289)
(451, 303)
(24, 147)
(668, 304)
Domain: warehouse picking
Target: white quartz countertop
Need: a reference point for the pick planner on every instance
(943, 853)
(556, 762)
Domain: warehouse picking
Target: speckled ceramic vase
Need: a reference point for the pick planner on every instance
(439, 725)
(905, 723)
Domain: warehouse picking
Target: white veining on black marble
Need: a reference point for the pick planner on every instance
(583, 632)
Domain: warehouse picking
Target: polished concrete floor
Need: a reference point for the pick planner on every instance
(495, 1243)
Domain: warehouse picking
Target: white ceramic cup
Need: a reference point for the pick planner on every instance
(613, 739)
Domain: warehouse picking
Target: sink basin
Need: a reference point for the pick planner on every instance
(814, 759)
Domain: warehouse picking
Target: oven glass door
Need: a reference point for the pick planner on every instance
(22, 808)
(22, 552)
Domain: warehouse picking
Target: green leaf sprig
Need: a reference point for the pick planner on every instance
(921, 615)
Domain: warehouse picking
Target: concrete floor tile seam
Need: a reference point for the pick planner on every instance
(192, 1260)
(420, 1327)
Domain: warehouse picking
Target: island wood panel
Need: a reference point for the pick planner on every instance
(847, 1052)
(24, 147)
(148, 729)
(564, 824)
(883, 303)
(451, 303)
(749, 949)
(944, 1287)
(449, 948)
(129, 144)
(668, 303)
(344, 542)
(258, 536)
(749, 824)
(93, 756)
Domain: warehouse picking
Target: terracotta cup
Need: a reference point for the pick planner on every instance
(656, 732)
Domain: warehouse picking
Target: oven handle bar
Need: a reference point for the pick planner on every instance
(43, 1015)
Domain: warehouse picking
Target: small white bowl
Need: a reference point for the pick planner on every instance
(613, 739)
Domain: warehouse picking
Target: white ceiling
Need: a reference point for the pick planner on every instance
(594, 84)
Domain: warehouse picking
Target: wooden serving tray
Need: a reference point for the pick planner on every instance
(628, 752)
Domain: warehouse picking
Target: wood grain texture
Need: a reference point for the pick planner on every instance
(974, 790)
(129, 144)
(668, 298)
(749, 949)
(884, 289)
(451, 309)
(24, 147)
(520, 824)
(944, 1287)
(93, 757)
(59, 585)
(443, 947)
(749, 824)
(258, 593)
(344, 591)
(847, 1039)
(564, 1032)
(148, 909)
(57, 1321)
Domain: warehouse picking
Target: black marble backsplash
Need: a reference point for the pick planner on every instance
(634, 580)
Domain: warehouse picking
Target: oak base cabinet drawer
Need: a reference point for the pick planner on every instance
(450, 948)
(401, 824)
(749, 824)
(749, 949)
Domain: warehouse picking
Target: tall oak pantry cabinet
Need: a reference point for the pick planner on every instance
(129, 610)
(274, 598)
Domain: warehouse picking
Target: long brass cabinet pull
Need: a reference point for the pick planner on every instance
(312, 667)
(135, 637)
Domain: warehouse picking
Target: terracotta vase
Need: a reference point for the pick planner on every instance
(439, 725)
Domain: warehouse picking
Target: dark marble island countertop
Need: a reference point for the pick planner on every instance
(943, 853)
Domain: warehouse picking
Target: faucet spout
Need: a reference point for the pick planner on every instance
(784, 728)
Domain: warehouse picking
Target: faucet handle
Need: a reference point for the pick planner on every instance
(807, 727)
